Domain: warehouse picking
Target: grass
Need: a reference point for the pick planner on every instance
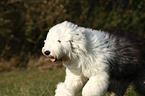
(30, 83)
(34, 83)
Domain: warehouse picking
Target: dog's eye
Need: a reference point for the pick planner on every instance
(59, 41)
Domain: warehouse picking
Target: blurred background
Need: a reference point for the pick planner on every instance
(25, 23)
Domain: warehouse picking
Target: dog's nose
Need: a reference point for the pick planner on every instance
(47, 52)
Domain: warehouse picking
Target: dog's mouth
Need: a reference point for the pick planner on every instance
(53, 59)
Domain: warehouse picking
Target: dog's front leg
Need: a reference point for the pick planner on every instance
(96, 86)
(73, 84)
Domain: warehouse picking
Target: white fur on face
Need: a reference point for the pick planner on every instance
(58, 42)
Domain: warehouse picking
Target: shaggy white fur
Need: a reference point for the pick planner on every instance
(85, 60)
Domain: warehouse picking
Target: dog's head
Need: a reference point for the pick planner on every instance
(64, 41)
(58, 42)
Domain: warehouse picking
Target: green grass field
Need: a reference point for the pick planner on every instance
(34, 83)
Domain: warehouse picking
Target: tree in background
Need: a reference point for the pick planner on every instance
(25, 23)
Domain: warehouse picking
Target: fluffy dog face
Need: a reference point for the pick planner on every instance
(57, 43)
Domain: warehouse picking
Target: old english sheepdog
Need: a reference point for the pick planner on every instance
(96, 61)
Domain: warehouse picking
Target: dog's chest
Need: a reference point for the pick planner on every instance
(87, 72)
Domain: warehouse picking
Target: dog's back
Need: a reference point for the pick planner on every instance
(133, 47)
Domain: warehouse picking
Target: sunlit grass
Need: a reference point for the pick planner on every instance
(34, 83)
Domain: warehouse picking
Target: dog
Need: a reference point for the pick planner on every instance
(96, 61)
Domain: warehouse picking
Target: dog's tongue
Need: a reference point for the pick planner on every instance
(53, 60)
